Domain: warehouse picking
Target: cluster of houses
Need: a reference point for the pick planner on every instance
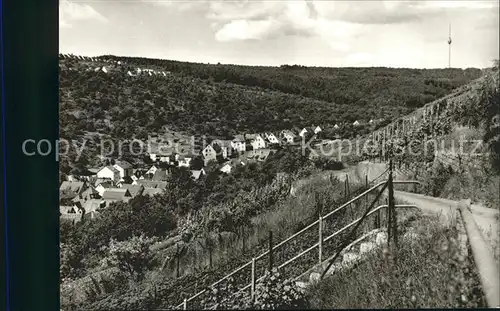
(84, 195)
(113, 65)
(78, 57)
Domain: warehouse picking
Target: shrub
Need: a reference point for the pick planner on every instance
(272, 292)
(132, 256)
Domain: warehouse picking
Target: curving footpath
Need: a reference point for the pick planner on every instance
(486, 218)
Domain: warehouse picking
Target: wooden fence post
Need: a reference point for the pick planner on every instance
(348, 192)
(392, 232)
(253, 279)
(270, 251)
(320, 239)
(366, 183)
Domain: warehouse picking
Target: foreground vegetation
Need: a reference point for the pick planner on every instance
(427, 272)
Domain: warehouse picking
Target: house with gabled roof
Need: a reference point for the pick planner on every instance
(239, 144)
(258, 142)
(271, 138)
(152, 184)
(356, 123)
(103, 186)
(87, 194)
(160, 175)
(152, 170)
(76, 187)
(229, 166)
(116, 194)
(225, 147)
(184, 160)
(134, 190)
(303, 132)
(109, 172)
(317, 129)
(336, 126)
(288, 136)
(196, 174)
(124, 167)
(210, 153)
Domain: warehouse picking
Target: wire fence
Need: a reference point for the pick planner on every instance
(300, 242)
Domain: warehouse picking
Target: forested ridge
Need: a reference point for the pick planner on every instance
(223, 100)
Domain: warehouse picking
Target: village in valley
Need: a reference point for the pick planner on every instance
(83, 195)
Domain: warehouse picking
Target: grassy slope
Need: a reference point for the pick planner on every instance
(430, 272)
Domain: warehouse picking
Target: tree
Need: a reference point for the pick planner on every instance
(132, 256)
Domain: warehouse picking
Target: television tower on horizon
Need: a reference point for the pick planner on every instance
(449, 47)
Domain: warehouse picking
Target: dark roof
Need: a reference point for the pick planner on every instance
(92, 205)
(250, 136)
(160, 175)
(73, 186)
(134, 189)
(288, 132)
(222, 143)
(127, 180)
(115, 194)
(114, 170)
(240, 138)
(67, 195)
(124, 164)
(152, 191)
(99, 181)
(152, 184)
(106, 184)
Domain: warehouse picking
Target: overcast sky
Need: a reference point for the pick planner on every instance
(316, 33)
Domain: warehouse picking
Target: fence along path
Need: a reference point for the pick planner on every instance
(252, 269)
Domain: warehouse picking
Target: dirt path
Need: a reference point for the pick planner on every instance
(486, 218)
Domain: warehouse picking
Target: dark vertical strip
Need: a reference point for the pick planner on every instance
(5, 258)
(30, 183)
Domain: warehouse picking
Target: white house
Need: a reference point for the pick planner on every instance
(303, 132)
(258, 142)
(288, 135)
(209, 154)
(272, 138)
(227, 167)
(238, 143)
(109, 172)
(196, 174)
(102, 187)
(152, 170)
(355, 123)
(317, 130)
(129, 73)
(225, 147)
(124, 168)
(104, 69)
(183, 161)
(336, 126)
